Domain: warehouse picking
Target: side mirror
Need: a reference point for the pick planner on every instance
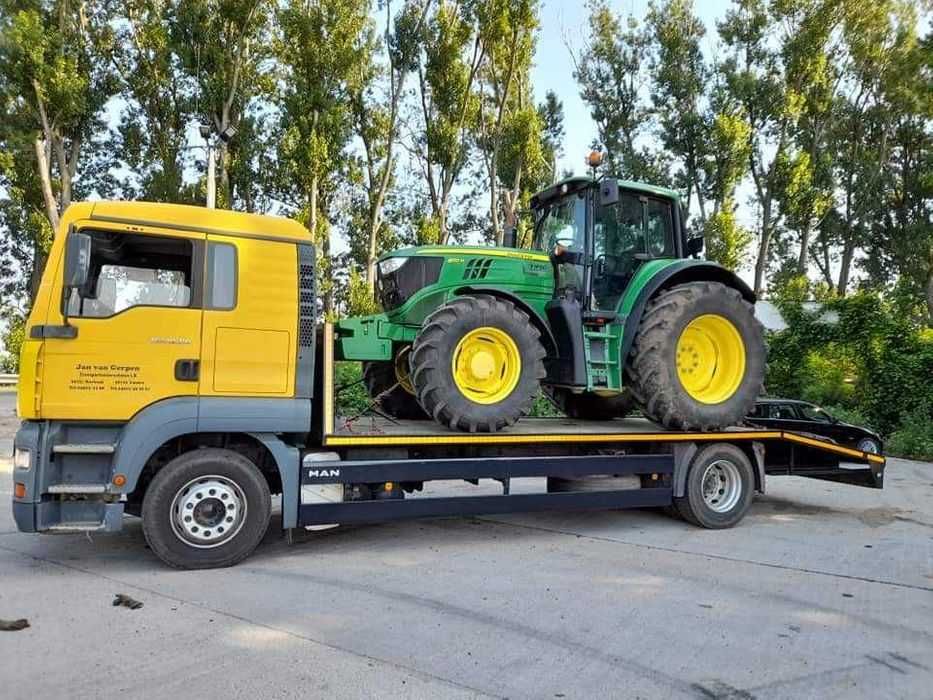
(608, 192)
(695, 245)
(510, 237)
(77, 260)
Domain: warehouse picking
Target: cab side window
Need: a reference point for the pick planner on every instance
(128, 270)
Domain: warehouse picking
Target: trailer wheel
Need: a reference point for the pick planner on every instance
(206, 509)
(720, 487)
(477, 364)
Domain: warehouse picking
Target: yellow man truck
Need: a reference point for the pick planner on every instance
(176, 369)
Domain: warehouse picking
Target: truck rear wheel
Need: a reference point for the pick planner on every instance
(206, 509)
(477, 364)
(389, 385)
(698, 359)
(720, 487)
(590, 406)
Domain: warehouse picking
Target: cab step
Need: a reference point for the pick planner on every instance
(90, 526)
(77, 488)
(86, 448)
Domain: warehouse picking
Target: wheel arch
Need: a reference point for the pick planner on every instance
(672, 275)
(547, 338)
(172, 427)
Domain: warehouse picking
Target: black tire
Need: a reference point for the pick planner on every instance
(712, 467)
(436, 344)
(652, 365)
(226, 468)
(590, 406)
(383, 387)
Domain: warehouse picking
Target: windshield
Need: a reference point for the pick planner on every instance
(563, 222)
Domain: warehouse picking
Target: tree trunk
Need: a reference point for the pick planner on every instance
(761, 265)
(45, 178)
(930, 296)
(848, 250)
(804, 249)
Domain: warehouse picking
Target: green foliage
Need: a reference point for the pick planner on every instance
(12, 340)
(360, 297)
(914, 438)
(856, 353)
(726, 241)
(351, 397)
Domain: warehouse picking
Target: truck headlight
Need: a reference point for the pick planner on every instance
(390, 265)
(21, 458)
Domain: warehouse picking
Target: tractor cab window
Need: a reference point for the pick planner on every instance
(564, 223)
(635, 229)
(129, 270)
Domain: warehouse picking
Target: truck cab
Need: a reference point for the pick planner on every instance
(154, 321)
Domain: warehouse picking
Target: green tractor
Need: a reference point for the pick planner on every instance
(606, 309)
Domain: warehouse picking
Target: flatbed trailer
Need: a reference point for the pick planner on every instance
(404, 454)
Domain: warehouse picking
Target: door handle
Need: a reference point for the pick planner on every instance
(187, 370)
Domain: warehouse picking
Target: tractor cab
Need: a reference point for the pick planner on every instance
(599, 232)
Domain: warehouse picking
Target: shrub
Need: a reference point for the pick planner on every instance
(914, 438)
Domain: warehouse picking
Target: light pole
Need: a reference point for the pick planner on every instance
(225, 136)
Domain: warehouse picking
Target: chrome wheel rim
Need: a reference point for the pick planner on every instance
(721, 485)
(208, 511)
(869, 446)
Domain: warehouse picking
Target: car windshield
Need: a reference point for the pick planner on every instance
(814, 413)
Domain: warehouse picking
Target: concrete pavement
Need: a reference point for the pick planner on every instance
(824, 591)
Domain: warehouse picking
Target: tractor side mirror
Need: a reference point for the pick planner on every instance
(77, 260)
(695, 245)
(510, 237)
(608, 192)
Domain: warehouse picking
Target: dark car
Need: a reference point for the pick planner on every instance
(803, 417)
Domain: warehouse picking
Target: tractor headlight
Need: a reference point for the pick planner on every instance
(21, 458)
(390, 265)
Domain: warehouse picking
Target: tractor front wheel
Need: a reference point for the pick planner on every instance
(389, 385)
(477, 364)
(698, 360)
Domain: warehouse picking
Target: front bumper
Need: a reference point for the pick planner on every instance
(41, 511)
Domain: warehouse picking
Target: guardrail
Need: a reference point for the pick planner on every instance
(9, 379)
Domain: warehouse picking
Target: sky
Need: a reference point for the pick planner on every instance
(565, 21)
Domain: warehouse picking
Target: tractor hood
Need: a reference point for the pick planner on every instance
(433, 274)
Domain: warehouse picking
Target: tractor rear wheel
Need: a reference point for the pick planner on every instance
(698, 360)
(477, 364)
(389, 385)
(590, 406)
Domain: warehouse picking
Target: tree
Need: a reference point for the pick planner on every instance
(755, 83)
(453, 54)
(551, 114)
(320, 47)
(149, 140)
(507, 113)
(612, 72)
(53, 85)
(679, 79)
(222, 46)
(377, 122)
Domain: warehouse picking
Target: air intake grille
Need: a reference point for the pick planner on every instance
(477, 268)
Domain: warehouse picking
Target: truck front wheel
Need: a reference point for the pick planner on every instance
(477, 364)
(206, 509)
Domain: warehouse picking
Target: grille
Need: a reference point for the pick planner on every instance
(395, 288)
(307, 297)
(477, 268)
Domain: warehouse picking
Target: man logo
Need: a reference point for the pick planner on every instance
(318, 473)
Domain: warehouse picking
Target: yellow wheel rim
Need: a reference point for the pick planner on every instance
(402, 375)
(486, 365)
(710, 359)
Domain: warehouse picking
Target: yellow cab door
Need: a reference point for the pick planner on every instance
(137, 321)
(250, 318)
